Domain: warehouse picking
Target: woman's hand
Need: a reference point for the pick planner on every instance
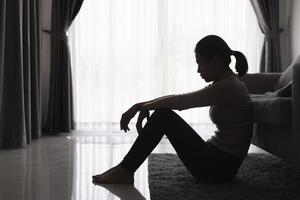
(143, 114)
(127, 116)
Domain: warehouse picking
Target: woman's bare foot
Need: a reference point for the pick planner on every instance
(116, 175)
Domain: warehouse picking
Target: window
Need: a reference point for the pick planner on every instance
(124, 52)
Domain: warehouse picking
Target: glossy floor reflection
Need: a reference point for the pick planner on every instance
(61, 168)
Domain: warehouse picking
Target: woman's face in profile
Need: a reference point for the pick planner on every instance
(205, 68)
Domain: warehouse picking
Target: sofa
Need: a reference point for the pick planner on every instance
(276, 111)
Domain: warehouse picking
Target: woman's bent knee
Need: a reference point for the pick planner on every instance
(163, 111)
(166, 114)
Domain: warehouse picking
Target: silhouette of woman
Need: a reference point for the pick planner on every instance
(218, 158)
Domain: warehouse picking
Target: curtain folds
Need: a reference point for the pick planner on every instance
(2, 42)
(267, 13)
(20, 102)
(60, 108)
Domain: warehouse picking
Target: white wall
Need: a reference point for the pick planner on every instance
(46, 6)
(295, 28)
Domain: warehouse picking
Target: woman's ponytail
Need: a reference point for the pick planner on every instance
(241, 64)
(213, 45)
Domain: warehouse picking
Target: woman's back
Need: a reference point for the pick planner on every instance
(233, 118)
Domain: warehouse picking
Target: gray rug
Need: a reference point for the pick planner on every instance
(261, 177)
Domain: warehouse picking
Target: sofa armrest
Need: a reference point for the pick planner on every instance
(295, 139)
(260, 83)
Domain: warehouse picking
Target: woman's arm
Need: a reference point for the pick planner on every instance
(168, 101)
(223, 92)
(161, 102)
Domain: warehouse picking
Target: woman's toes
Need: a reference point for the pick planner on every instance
(115, 175)
(95, 176)
(97, 179)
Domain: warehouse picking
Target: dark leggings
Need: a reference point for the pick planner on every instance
(203, 160)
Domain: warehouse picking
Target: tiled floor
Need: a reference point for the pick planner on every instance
(61, 167)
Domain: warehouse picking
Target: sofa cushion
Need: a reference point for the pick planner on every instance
(286, 91)
(272, 110)
(287, 75)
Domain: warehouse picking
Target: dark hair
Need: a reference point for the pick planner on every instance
(213, 45)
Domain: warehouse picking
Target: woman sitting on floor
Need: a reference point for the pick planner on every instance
(218, 158)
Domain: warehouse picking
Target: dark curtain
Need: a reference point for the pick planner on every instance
(20, 102)
(60, 110)
(2, 43)
(267, 13)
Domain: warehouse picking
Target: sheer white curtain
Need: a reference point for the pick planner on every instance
(124, 52)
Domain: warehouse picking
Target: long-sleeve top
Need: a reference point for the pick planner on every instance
(230, 110)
